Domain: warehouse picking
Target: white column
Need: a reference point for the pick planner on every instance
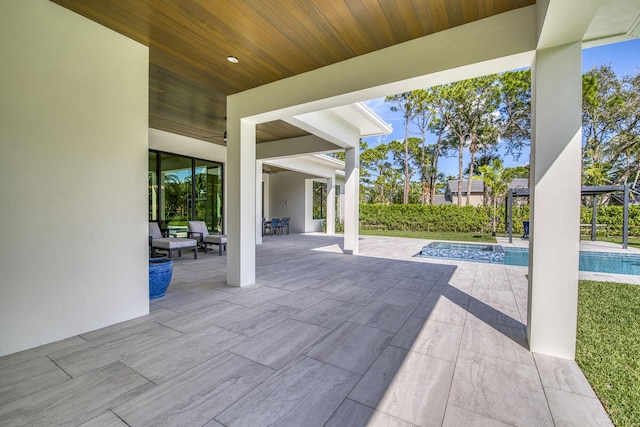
(351, 199)
(331, 205)
(555, 200)
(241, 201)
(259, 224)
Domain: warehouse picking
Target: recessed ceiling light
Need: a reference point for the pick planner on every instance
(232, 59)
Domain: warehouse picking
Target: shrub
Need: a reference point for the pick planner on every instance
(423, 217)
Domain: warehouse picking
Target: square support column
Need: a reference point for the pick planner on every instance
(259, 203)
(331, 205)
(241, 201)
(351, 200)
(555, 200)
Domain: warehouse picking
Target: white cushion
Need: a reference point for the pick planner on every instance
(198, 227)
(216, 239)
(154, 230)
(174, 243)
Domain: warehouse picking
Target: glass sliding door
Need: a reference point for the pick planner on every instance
(208, 191)
(319, 200)
(182, 189)
(176, 196)
(153, 186)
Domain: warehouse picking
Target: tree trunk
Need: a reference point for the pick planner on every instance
(472, 149)
(473, 155)
(434, 172)
(460, 153)
(423, 178)
(406, 171)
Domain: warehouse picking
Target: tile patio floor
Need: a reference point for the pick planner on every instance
(379, 339)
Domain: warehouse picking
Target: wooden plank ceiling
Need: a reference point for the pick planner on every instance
(189, 41)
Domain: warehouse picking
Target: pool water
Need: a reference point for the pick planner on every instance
(603, 262)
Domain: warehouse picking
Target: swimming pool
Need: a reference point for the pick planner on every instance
(603, 262)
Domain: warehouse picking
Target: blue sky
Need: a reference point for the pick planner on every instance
(623, 57)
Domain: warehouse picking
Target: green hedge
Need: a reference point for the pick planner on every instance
(423, 217)
(455, 218)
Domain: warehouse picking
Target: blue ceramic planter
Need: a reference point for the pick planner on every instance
(160, 271)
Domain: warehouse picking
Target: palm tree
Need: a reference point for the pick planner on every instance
(497, 178)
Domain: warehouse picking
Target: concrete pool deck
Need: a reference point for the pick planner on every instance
(323, 338)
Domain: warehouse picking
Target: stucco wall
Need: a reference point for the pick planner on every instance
(287, 198)
(73, 137)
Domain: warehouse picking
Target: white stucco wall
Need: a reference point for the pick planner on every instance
(291, 194)
(73, 163)
(287, 198)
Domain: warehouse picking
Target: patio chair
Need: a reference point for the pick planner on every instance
(273, 226)
(157, 240)
(525, 225)
(198, 230)
(283, 226)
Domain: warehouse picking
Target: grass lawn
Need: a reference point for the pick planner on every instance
(458, 237)
(608, 346)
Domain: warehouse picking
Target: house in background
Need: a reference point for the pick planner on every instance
(86, 85)
(477, 197)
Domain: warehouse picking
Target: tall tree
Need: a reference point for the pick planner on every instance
(424, 114)
(470, 107)
(515, 111)
(611, 128)
(406, 155)
(378, 174)
(405, 103)
(438, 127)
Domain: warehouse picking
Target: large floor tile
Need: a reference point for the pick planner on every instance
(258, 319)
(375, 382)
(354, 414)
(183, 302)
(196, 396)
(442, 309)
(441, 340)
(358, 295)
(499, 389)
(458, 417)
(418, 391)
(574, 410)
(205, 318)
(43, 350)
(29, 377)
(156, 314)
(172, 358)
(328, 313)
(303, 299)
(334, 285)
(94, 354)
(562, 374)
(108, 419)
(495, 314)
(280, 344)
(306, 393)
(402, 297)
(389, 317)
(77, 400)
(352, 346)
(417, 284)
(257, 296)
(496, 341)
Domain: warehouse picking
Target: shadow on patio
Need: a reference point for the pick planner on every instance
(321, 339)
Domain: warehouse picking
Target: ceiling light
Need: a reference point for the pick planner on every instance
(232, 59)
